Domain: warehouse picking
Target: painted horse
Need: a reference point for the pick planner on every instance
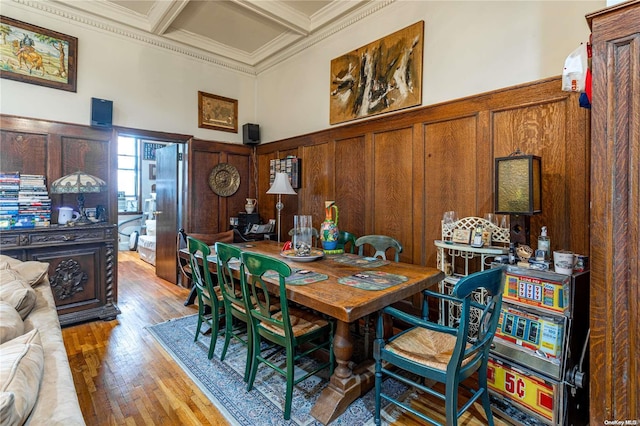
(29, 56)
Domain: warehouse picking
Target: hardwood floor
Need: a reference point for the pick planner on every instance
(123, 377)
(121, 374)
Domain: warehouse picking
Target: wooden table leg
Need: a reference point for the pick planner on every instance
(344, 386)
(192, 297)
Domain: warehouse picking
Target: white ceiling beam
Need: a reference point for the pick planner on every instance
(333, 11)
(109, 10)
(280, 13)
(163, 13)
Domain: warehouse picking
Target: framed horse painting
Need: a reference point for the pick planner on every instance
(35, 55)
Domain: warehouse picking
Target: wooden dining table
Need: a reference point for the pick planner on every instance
(346, 305)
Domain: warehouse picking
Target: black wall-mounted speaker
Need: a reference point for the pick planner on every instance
(101, 113)
(250, 134)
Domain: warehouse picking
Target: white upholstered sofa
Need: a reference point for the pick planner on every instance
(36, 385)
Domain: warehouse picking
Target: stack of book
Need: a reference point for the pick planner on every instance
(34, 204)
(9, 188)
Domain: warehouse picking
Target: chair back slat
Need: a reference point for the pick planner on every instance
(201, 275)
(346, 238)
(230, 286)
(472, 349)
(255, 266)
(380, 243)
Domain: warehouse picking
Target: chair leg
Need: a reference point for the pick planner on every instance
(199, 326)
(451, 402)
(214, 336)
(378, 384)
(255, 350)
(486, 403)
(215, 328)
(228, 326)
(290, 378)
(247, 365)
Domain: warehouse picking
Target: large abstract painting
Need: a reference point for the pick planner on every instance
(383, 76)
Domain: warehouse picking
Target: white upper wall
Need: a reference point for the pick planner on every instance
(470, 47)
(151, 88)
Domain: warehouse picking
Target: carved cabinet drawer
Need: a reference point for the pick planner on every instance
(66, 236)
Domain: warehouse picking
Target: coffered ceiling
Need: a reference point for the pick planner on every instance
(251, 34)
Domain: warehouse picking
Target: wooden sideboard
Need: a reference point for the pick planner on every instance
(82, 266)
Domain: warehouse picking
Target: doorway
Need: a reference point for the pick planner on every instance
(142, 201)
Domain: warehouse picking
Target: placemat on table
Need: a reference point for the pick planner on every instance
(372, 280)
(355, 260)
(298, 277)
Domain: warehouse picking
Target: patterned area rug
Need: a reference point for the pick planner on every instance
(222, 382)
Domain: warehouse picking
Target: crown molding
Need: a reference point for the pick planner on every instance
(138, 28)
(316, 38)
(140, 36)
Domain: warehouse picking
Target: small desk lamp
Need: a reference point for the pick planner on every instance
(519, 192)
(281, 185)
(79, 183)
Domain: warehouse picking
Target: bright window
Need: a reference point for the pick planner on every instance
(128, 174)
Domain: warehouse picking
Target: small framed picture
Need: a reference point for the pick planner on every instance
(461, 236)
(152, 171)
(217, 112)
(486, 237)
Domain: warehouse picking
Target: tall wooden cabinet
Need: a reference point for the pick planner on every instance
(83, 260)
(615, 215)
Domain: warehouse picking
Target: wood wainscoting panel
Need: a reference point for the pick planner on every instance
(441, 157)
(450, 173)
(200, 166)
(541, 129)
(87, 154)
(392, 193)
(317, 182)
(350, 184)
(23, 152)
(236, 202)
(207, 212)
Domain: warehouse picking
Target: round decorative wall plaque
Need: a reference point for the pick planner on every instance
(224, 179)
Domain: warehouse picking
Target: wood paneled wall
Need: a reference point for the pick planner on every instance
(206, 212)
(615, 216)
(54, 150)
(396, 175)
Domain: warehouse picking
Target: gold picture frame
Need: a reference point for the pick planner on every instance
(383, 76)
(217, 112)
(36, 55)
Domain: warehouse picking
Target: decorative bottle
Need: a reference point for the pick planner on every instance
(544, 243)
(329, 233)
(512, 253)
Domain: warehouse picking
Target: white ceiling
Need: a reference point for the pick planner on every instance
(253, 34)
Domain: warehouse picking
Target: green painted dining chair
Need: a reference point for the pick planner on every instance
(346, 238)
(298, 331)
(439, 353)
(208, 295)
(236, 301)
(380, 243)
